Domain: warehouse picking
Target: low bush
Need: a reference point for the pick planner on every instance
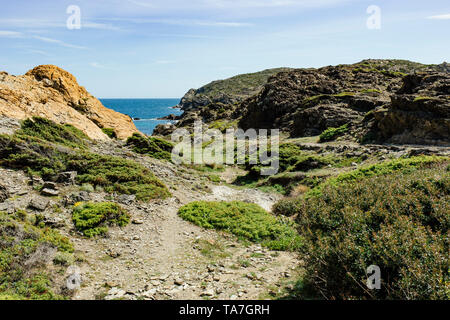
(110, 132)
(116, 174)
(246, 220)
(113, 174)
(403, 165)
(93, 219)
(332, 133)
(25, 249)
(154, 147)
(48, 130)
(398, 221)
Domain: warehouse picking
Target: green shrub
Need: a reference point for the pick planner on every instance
(399, 221)
(22, 258)
(110, 132)
(49, 131)
(245, 220)
(116, 174)
(64, 258)
(113, 174)
(287, 207)
(384, 168)
(154, 147)
(93, 219)
(332, 133)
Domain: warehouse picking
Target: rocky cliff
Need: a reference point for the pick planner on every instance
(379, 100)
(228, 91)
(50, 92)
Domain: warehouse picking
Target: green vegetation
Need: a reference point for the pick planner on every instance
(93, 219)
(371, 91)
(116, 174)
(332, 133)
(387, 216)
(344, 95)
(246, 220)
(110, 132)
(296, 167)
(421, 99)
(49, 131)
(385, 168)
(113, 174)
(390, 68)
(244, 85)
(223, 125)
(25, 248)
(154, 147)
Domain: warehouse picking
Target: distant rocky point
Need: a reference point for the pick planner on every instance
(382, 101)
(53, 93)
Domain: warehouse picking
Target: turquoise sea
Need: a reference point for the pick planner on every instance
(147, 110)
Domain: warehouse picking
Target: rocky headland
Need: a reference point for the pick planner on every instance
(363, 178)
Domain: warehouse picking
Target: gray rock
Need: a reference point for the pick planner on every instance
(38, 203)
(50, 185)
(73, 198)
(36, 181)
(208, 293)
(4, 194)
(126, 199)
(49, 192)
(7, 207)
(9, 126)
(67, 177)
(54, 222)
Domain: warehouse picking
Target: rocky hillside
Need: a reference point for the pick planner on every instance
(50, 92)
(374, 99)
(227, 91)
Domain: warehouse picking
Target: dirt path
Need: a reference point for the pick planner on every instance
(161, 256)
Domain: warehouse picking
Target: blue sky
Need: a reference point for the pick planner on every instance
(161, 48)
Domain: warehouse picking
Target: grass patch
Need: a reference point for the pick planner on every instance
(25, 248)
(154, 147)
(246, 220)
(422, 99)
(110, 132)
(93, 219)
(211, 249)
(332, 133)
(344, 95)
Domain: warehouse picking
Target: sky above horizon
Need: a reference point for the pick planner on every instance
(162, 48)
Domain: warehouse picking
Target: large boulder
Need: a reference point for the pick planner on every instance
(51, 92)
(419, 114)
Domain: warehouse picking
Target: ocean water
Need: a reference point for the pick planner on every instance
(148, 110)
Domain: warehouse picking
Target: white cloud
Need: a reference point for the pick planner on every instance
(181, 22)
(205, 4)
(58, 42)
(97, 65)
(35, 23)
(440, 17)
(11, 34)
